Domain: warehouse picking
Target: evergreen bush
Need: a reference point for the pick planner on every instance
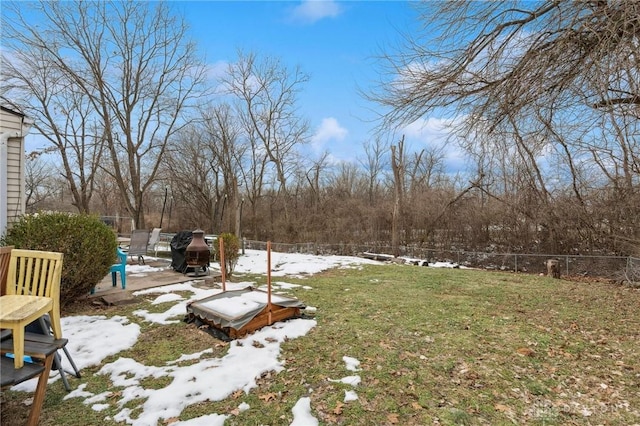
(231, 251)
(88, 245)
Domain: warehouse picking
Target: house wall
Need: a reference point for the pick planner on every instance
(12, 187)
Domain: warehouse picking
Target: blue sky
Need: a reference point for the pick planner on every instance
(334, 42)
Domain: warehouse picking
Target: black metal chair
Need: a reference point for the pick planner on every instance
(37, 334)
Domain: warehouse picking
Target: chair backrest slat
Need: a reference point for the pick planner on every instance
(38, 276)
(5, 257)
(42, 276)
(24, 276)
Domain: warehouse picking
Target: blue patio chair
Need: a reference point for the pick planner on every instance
(119, 267)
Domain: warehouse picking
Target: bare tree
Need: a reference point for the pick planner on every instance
(267, 94)
(224, 148)
(314, 177)
(398, 167)
(374, 163)
(344, 180)
(39, 182)
(131, 62)
(426, 169)
(254, 173)
(63, 116)
(540, 81)
(195, 179)
(518, 54)
(107, 201)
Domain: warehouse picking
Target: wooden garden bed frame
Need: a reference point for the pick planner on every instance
(271, 313)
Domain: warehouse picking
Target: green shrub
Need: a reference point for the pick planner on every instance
(231, 251)
(89, 247)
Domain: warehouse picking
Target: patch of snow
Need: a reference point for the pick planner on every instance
(350, 395)
(208, 420)
(352, 363)
(349, 380)
(231, 307)
(302, 413)
(165, 298)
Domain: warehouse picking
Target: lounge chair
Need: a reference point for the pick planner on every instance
(139, 245)
(154, 240)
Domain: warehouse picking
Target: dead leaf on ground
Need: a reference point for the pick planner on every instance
(407, 354)
(338, 408)
(526, 352)
(385, 345)
(392, 418)
(268, 397)
(558, 352)
(502, 408)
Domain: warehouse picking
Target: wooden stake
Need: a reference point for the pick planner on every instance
(222, 269)
(269, 280)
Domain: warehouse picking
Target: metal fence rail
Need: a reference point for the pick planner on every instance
(613, 267)
(623, 268)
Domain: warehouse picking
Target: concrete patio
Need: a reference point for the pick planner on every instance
(162, 275)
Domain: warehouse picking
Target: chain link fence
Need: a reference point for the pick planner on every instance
(621, 268)
(632, 272)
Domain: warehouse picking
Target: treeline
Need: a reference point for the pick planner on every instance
(543, 101)
(347, 203)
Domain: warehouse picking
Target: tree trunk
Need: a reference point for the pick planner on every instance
(397, 165)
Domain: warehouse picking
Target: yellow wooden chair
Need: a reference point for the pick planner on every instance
(37, 273)
(5, 255)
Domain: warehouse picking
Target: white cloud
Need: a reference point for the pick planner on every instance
(217, 70)
(429, 130)
(310, 11)
(436, 133)
(328, 130)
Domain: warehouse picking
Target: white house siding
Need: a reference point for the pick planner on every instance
(12, 188)
(15, 187)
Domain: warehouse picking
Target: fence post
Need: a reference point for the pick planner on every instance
(515, 257)
(566, 262)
